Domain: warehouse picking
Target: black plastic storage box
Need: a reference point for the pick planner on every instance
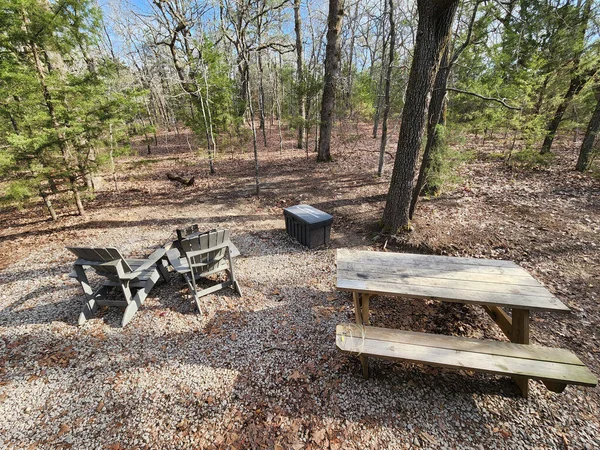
(308, 225)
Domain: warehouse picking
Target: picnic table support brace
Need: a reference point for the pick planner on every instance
(502, 319)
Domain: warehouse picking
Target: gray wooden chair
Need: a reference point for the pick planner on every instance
(196, 255)
(135, 277)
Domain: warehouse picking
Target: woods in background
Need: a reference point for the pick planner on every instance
(77, 83)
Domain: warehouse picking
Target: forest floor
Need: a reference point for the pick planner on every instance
(262, 371)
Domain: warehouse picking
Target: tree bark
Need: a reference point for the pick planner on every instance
(69, 159)
(386, 97)
(378, 100)
(576, 85)
(48, 204)
(332, 69)
(261, 98)
(578, 81)
(436, 106)
(585, 153)
(300, 74)
(433, 33)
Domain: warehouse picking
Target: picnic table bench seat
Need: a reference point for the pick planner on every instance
(555, 367)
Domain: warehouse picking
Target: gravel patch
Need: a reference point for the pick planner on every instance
(260, 371)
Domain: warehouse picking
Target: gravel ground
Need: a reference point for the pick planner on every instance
(260, 371)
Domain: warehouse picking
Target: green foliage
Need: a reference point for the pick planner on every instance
(217, 90)
(531, 158)
(445, 160)
(364, 95)
(18, 192)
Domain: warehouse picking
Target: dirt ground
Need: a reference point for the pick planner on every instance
(262, 371)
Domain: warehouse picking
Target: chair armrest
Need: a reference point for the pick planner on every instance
(85, 262)
(152, 260)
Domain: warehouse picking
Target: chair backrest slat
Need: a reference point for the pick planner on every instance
(101, 255)
(205, 241)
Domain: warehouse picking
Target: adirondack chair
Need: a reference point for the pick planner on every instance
(195, 255)
(135, 277)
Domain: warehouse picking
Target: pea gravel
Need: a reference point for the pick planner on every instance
(260, 371)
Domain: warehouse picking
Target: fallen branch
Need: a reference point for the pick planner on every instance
(186, 182)
(502, 101)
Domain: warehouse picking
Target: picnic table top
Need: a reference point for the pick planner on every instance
(462, 280)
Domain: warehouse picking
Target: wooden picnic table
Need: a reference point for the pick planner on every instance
(492, 284)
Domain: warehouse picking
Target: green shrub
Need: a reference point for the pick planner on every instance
(18, 192)
(531, 158)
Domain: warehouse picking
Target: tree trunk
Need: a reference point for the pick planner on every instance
(254, 144)
(378, 101)
(48, 204)
(111, 159)
(350, 77)
(388, 82)
(585, 153)
(433, 33)
(332, 69)
(300, 74)
(576, 85)
(578, 81)
(67, 156)
(436, 106)
(261, 99)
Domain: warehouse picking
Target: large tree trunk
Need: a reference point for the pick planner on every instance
(332, 69)
(433, 33)
(300, 74)
(386, 97)
(436, 106)
(585, 154)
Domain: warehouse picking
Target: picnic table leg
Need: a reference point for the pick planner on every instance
(520, 335)
(358, 314)
(365, 309)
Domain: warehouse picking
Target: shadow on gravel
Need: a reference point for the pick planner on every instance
(285, 363)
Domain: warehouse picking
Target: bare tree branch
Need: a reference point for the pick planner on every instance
(502, 101)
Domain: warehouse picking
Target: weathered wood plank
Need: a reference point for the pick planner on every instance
(392, 257)
(455, 295)
(503, 320)
(466, 273)
(459, 343)
(459, 359)
(520, 335)
(417, 280)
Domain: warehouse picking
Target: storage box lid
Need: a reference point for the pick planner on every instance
(308, 215)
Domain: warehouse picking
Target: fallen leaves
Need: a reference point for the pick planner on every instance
(63, 429)
(296, 375)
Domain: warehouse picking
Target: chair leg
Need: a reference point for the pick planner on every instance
(87, 312)
(130, 311)
(197, 299)
(138, 299)
(191, 282)
(163, 270)
(91, 305)
(237, 287)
